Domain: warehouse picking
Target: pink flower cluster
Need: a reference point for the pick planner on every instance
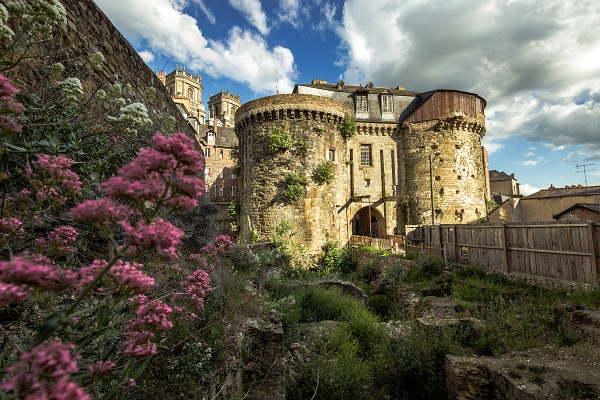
(21, 271)
(11, 293)
(8, 107)
(131, 276)
(151, 317)
(9, 227)
(160, 235)
(169, 171)
(100, 368)
(196, 285)
(59, 238)
(43, 373)
(213, 252)
(52, 179)
(103, 211)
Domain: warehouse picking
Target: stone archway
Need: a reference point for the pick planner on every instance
(368, 222)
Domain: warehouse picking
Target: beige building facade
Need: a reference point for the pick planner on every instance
(545, 204)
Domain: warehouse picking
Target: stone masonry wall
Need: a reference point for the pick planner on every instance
(380, 179)
(89, 30)
(306, 119)
(454, 145)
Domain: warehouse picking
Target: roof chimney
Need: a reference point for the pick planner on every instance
(215, 125)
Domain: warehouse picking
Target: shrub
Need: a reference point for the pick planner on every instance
(302, 147)
(279, 139)
(336, 258)
(324, 173)
(348, 127)
(294, 187)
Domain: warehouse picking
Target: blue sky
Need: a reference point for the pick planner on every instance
(536, 62)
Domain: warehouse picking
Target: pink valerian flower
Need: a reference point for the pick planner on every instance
(100, 368)
(10, 226)
(182, 149)
(196, 285)
(43, 373)
(130, 275)
(58, 168)
(59, 239)
(103, 211)
(21, 271)
(160, 235)
(84, 276)
(52, 179)
(168, 172)
(11, 293)
(151, 317)
(8, 107)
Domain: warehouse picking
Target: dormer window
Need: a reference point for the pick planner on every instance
(210, 137)
(387, 103)
(361, 103)
(369, 86)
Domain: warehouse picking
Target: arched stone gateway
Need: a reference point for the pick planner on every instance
(368, 222)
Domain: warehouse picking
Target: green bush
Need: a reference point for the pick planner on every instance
(319, 304)
(336, 258)
(324, 173)
(279, 139)
(348, 127)
(294, 187)
(302, 147)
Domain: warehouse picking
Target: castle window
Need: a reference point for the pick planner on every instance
(191, 94)
(361, 103)
(220, 153)
(207, 152)
(232, 173)
(221, 174)
(387, 103)
(207, 174)
(331, 155)
(221, 191)
(365, 155)
(233, 189)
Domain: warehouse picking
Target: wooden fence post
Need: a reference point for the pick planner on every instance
(441, 245)
(591, 234)
(505, 248)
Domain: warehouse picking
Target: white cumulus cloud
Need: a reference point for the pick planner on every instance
(252, 10)
(527, 189)
(164, 28)
(147, 56)
(536, 62)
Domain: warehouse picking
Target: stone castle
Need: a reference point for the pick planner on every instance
(416, 158)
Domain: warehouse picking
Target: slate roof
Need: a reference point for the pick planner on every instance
(225, 137)
(566, 192)
(334, 87)
(592, 207)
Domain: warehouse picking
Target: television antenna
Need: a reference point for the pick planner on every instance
(584, 171)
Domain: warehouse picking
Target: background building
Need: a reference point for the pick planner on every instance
(223, 107)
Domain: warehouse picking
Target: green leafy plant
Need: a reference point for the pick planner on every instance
(324, 173)
(294, 187)
(280, 139)
(302, 147)
(348, 127)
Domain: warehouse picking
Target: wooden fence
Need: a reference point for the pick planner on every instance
(379, 243)
(560, 251)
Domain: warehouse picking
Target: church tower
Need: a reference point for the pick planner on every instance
(223, 107)
(186, 91)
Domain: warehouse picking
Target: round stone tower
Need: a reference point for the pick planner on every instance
(442, 168)
(284, 142)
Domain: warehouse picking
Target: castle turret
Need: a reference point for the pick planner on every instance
(285, 140)
(442, 166)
